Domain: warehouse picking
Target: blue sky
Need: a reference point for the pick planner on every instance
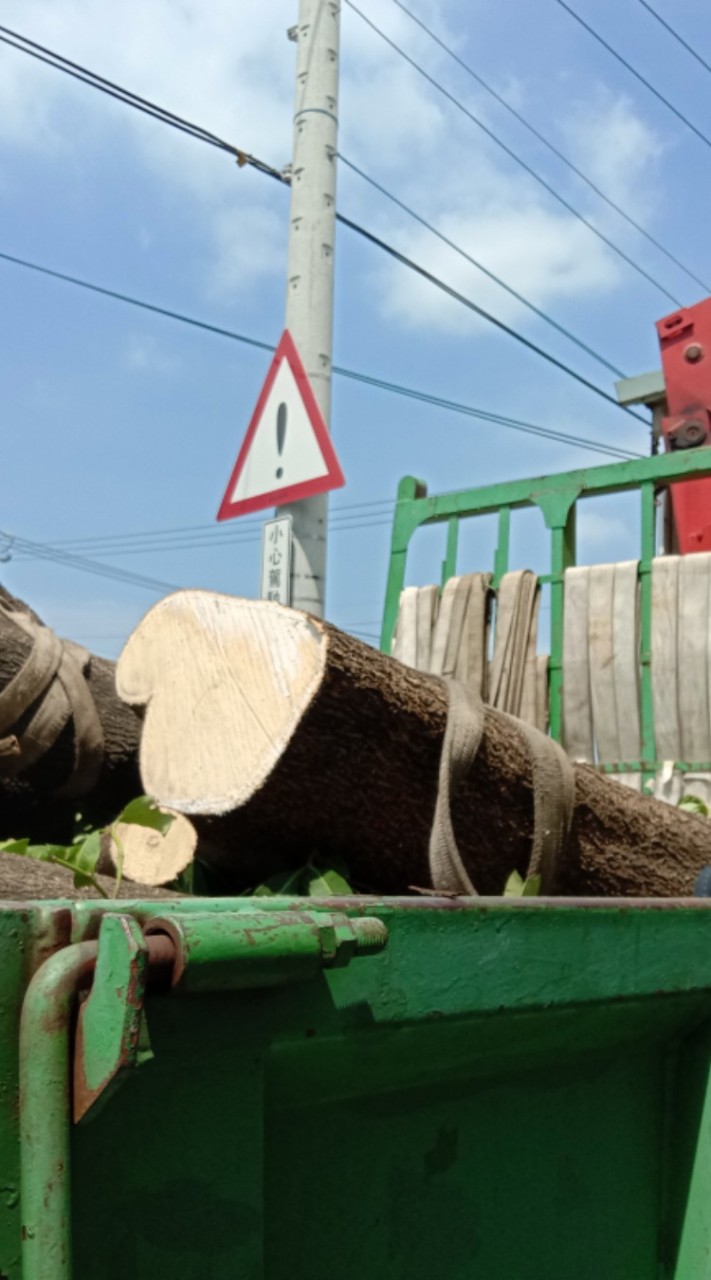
(117, 422)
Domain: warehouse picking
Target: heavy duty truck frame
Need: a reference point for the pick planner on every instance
(399, 1088)
(495, 1088)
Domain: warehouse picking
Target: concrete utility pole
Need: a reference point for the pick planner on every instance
(309, 298)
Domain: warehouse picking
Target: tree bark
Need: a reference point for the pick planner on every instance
(22, 879)
(287, 740)
(27, 804)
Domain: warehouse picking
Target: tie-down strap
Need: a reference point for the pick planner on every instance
(51, 685)
(553, 784)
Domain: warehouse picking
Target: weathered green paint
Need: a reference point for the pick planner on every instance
(503, 544)
(230, 951)
(511, 1089)
(108, 1041)
(44, 1093)
(409, 490)
(652, 766)
(648, 742)
(556, 497)
(449, 564)
(562, 530)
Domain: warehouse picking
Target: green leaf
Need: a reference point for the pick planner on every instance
(531, 887)
(83, 857)
(46, 852)
(144, 812)
(517, 887)
(514, 886)
(14, 846)
(692, 804)
(80, 879)
(281, 884)
(326, 884)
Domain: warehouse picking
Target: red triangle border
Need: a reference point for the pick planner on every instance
(334, 477)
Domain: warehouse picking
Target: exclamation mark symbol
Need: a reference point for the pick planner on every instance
(281, 434)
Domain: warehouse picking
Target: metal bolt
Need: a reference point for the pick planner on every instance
(693, 352)
(371, 936)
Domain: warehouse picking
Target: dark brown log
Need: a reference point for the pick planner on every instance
(27, 804)
(336, 755)
(22, 879)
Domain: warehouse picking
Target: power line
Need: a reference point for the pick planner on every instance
(633, 71)
(675, 34)
(219, 539)
(245, 523)
(514, 156)
(136, 302)
(45, 551)
(560, 437)
(543, 315)
(368, 380)
(208, 534)
(560, 155)
(168, 117)
(78, 72)
(486, 315)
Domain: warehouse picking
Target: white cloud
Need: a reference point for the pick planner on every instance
(231, 70)
(248, 242)
(549, 256)
(618, 150)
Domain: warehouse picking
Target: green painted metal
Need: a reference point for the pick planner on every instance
(109, 1044)
(648, 742)
(503, 544)
(511, 1088)
(556, 497)
(44, 1095)
(232, 951)
(215, 951)
(449, 564)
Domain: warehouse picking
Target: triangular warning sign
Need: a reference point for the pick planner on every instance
(287, 452)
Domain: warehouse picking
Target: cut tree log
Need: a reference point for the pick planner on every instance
(146, 855)
(287, 740)
(28, 803)
(22, 879)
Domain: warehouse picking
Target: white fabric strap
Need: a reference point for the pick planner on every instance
(553, 785)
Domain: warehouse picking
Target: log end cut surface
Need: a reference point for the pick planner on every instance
(225, 682)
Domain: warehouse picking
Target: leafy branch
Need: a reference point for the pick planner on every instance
(82, 856)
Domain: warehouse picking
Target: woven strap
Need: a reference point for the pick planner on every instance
(553, 785)
(462, 736)
(52, 678)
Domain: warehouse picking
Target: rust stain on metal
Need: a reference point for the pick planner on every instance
(160, 963)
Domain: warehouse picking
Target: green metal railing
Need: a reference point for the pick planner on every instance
(556, 497)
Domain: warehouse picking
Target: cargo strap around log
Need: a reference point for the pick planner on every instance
(52, 681)
(553, 784)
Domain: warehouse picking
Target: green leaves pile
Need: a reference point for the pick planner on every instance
(310, 881)
(82, 855)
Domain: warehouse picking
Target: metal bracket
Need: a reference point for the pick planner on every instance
(685, 345)
(111, 1036)
(219, 951)
(108, 1035)
(233, 951)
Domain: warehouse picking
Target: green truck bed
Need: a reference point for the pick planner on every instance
(511, 1090)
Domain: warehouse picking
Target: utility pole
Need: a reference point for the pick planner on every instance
(309, 298)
